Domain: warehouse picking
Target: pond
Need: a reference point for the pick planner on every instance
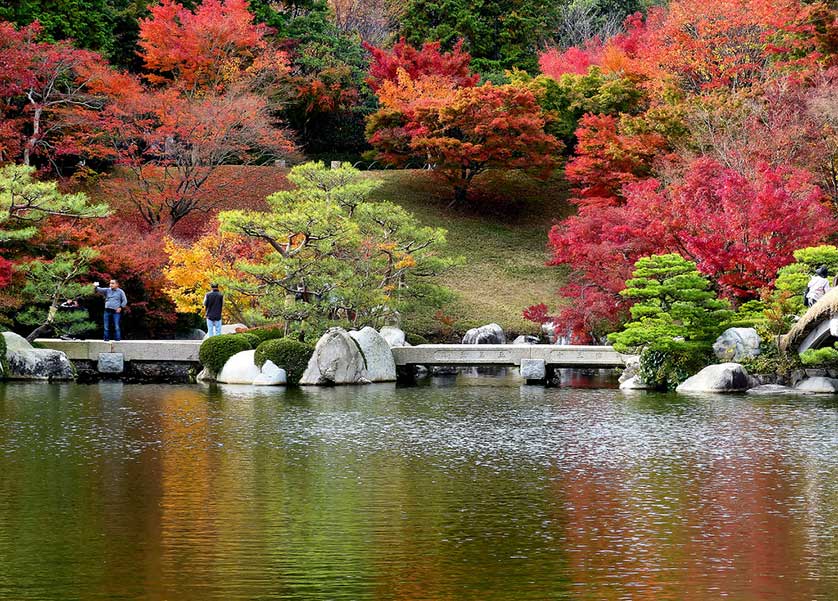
(112, 491)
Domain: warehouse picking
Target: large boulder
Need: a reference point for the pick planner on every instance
(239, 369)
(724, 377)
(489, 334)
(526, 340)
(393, 336)
(29, 363)
(380, 365)
(818, 385)
(337, 359)
(737, 344)
(271, 375)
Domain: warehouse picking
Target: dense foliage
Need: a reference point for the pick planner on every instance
(713, 157)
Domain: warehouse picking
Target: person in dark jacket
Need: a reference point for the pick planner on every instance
(115, 301)
(213, 303)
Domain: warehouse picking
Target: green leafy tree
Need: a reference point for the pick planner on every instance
(335, 256)
(87, 22)
(328, 99)
(674, 307)
(567, 99)
(26, 202)
(25, 205)
(48, 284)
(499, 34)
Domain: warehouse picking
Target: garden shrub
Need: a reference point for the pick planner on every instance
(665, 369)
(216, 350)
(264, 334)
(252, 339)
(827, 356)
(415, 339)
(289, 354)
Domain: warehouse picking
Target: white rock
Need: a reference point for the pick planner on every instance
(818, 385)
(271, 375)
(337, 359)
(205, 375)
(526, 340)
(771, 389)
(737, 344)
(634, 383)
(239, 369)
(632, 366)
(15, 342)
(380, 365)
(488, 334)
(393, 336)
(724, 377)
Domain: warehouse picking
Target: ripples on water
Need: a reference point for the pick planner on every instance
(457, 492)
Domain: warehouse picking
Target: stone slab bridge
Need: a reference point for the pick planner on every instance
(151, 358)
(537, 361)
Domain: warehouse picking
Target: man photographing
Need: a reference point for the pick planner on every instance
(115, 301)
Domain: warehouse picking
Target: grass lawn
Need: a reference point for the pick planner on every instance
(502, 237)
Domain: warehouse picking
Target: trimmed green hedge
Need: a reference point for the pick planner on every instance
(252, 339)
(215, 350)
(290, 355)
(264, 334)
(827, 356)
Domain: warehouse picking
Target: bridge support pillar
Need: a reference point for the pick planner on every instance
(406, 374)
(553, 378)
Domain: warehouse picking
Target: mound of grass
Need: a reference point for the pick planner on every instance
(501, 235)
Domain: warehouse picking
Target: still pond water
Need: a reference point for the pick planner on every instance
(111, 491)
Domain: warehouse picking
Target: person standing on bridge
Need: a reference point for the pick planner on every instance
(818, 286)
(213, 303)
(115, 301)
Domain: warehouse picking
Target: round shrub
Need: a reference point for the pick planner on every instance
(217, 349)
(264, 334)
(665, 369)
(252, 339)
(290, 355)
(415, 339)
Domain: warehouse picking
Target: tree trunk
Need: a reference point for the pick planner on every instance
(46, 327)
(30, 143)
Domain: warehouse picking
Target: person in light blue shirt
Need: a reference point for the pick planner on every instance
(115, 301)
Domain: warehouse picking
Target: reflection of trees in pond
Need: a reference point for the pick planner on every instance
(717, 524)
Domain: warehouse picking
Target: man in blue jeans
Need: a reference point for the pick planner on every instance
(213, 302)
(115, 301)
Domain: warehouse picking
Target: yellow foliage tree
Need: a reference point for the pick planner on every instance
(211, 259)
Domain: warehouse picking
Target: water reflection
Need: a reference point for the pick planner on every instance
(465, 492)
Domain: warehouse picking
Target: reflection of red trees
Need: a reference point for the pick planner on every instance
(683, 531)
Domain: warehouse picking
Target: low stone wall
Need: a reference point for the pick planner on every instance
(165, 361)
